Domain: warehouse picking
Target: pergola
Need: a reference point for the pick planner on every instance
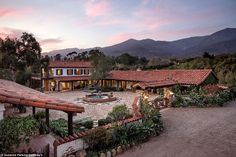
(13, 93)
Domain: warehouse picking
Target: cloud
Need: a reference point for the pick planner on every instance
(51, 41)
(12, 12)
(51, 44)
(10, 32)
(94, 8)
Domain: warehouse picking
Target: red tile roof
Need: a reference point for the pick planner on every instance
(71, 78)
(13, 93)
(70, 64)
(163, 83)
(192, 77)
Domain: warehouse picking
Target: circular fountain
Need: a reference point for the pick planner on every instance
(99, 98)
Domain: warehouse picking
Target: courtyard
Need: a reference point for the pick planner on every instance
(94, 111)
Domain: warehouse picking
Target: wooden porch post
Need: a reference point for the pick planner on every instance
(70, 123)
(33, 110)
(58, 86)
(72, 84)
(47, 117)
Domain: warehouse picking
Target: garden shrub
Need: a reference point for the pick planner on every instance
(14, 131)
(233, 92)
(198, 100)
(178, 102)
(98, 139)
(119, 112)
(119, 135)
(104, 121)
(40, 115)
(101, 139)
(59, 127)
(88, 124)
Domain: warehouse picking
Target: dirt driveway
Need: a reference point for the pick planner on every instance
(193, 132)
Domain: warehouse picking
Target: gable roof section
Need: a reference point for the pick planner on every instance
(70, 64)
(190, 77)
(13, 93)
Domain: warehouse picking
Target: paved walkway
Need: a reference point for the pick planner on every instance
(193, 132)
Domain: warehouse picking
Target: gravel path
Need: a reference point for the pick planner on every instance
(193, 132)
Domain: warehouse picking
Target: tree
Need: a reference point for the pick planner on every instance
(21, 57)
(207, 55)
(102, 65)
(57, 57)
(45, 66)
(8, 50)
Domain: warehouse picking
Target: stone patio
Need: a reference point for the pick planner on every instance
(92, 110)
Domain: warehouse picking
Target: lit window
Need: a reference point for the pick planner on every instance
(69, 71)
(59, 72)
(77, 71)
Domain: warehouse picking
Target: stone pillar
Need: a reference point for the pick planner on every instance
(168, 96)
(2, 109)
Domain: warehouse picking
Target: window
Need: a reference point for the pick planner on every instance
(86, 71)
(77, 71)
(59, 72)
(81, 71)
(69, 71)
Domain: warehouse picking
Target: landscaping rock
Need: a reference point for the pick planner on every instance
(133, 144)
(113, 152)
(119, 150)
(81, 153)
(102, 155)
(124, 147)
(108, 154)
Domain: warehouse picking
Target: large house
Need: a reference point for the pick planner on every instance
(70, 75)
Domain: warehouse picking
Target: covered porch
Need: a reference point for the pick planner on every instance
(13, 93)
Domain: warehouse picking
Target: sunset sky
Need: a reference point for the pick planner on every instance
(90, 23)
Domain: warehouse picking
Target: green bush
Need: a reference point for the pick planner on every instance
(14, 131)
(101, 139)
(59, 127)
(233, 92)
(198, 100)
(119, 112)
(98, 139)
(178, 102)
(88, 124)
(40, 115)
(104, 121)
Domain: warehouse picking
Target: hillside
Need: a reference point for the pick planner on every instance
(224, 66)
(223, 41)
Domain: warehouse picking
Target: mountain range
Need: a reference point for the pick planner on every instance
(223, 41)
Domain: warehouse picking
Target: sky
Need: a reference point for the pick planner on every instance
(59, 24)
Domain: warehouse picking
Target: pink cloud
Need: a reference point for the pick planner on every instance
(51, 41)
(95, 8)
(11, 12)
(10, 32)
